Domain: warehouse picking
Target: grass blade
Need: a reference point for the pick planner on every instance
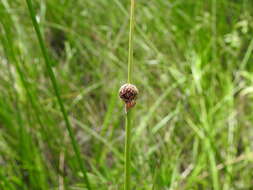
(129, 112)
(57, 93)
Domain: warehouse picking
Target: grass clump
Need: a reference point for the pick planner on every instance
(192, 129)
(57, 93)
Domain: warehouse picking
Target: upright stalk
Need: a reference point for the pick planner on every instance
(128, 150)
(131, 34)
(57, 93)
(129, 112)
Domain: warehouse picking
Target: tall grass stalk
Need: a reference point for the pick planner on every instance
(131, 34)
(129, 112)
(57, 93)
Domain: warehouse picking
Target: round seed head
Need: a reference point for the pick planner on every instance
(128, 92)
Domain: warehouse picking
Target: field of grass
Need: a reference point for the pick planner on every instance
(193, 121)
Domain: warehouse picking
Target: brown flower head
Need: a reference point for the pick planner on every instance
(128, 93)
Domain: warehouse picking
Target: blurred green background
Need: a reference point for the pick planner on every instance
(193, 66)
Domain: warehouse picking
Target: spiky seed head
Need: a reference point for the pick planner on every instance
(128, 93)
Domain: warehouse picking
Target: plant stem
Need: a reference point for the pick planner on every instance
(57, 93)
(128, 150)
(129, 112)
(131, 32)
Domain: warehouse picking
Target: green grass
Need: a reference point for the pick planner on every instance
(129, 114)
(192, 124)
(57, 93)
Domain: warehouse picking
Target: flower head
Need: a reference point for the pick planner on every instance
(128, 93)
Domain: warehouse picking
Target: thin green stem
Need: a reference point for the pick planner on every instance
(129, 112)
(128, 150)
(131, 33)
(57, 93)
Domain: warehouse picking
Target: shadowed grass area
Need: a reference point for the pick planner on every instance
(193, 120)
(57, 93)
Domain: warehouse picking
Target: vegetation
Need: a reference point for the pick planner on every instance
(192, 124)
